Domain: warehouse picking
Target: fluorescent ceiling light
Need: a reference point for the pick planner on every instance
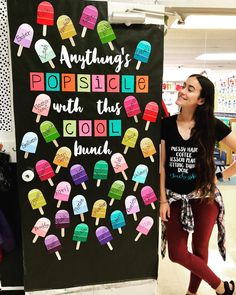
(217, 56)
(203, 21)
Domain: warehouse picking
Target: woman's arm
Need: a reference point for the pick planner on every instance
(230, 141)
(164, 205)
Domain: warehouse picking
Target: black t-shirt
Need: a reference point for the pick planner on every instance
(180, 165)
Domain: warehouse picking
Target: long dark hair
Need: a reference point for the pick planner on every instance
(204, 136)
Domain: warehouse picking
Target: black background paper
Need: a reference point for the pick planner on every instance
(93, 263)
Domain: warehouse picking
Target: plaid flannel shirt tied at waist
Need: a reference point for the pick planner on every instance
(187, 219)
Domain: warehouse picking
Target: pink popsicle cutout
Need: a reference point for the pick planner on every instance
(88, 19)
(132, 107)
(62, 192)
(41, 106)
(144, 226)
(132, 206)
(41, 228)
(148, 195)
(45, 172)
(119, 164)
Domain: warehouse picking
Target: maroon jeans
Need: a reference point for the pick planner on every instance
(205, 215)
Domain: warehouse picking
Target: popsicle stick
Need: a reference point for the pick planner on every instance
(44, 30)
(138, 65)
(136, 119)
(41, 211)
(62, 232)
(147, 125)
(111, 45)
(51, 64)
(110, 246)
(98, 182)
(77, 245)
(82, 217)
(84, 186)
(135, 186)
(135, 216)
(120, 230)
(58, 255)
(152, 159)
(58, 203)
(153, 206)
(19, 50)
(58, 169)
(72, 41)
(111, 202)
(26, 155)
(126, 149)
(138, 236)
(38, 118)
(35, 239)
(55, 143)
(97, 221)
(83, 32)
(50, 182)
(124, 175)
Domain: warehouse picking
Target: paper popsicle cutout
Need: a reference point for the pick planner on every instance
(149, 197)
(88, 19)
(45, 52)
(41, 228)
(142, 53)
(49, 132)
(29, 143)
(132, 107)
(144, 226)
(116, 191)
(44, 170)
(140, 175)
(150, 113)
(66, 28)
(130, 138)
(62, 221)
(132, 206)
(79, 175)
(80, 234)
(53, 245)
(62, 158)
(117, 220)
(24, 37)
(37, 200)
(106, 33)
(104, 236)
(119, 164)
(100, 171)
(80, 206)
(62, 192)
(41, 106)
(99, 210)
(45, 15)
(148, 148)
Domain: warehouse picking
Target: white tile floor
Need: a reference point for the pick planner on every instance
(173, 279)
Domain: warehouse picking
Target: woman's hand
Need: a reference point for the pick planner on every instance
(164, 211)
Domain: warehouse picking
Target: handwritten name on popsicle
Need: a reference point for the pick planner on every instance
(44, 225)
(23, 36)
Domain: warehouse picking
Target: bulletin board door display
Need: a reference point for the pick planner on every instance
(86, 102)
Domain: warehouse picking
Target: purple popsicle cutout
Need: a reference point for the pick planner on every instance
(79, 175)
(104, 236)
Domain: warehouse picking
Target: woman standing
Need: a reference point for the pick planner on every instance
(190, 200)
